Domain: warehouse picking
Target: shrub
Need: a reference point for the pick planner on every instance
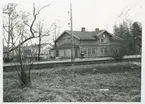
(118, 54)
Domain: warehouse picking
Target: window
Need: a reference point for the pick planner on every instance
(103, 35)
(102, 38)
(93, 51)
(105, 50)
(101, 49)
(89, 51)
(85, 51)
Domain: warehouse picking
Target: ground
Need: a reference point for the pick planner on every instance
(116, 82)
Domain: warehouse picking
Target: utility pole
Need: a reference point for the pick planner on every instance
(39, 45)
(55, 26)
(71, 22)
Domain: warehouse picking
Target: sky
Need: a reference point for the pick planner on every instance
(91, 14)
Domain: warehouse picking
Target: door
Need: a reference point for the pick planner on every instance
(57, 53)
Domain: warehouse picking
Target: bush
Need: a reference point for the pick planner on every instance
(118, 54)
(118, 58)
(7, 59)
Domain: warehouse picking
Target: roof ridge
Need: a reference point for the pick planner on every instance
(85, 31)
(88, 35)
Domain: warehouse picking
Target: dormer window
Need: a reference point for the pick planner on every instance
(103, 35)
(102, 38)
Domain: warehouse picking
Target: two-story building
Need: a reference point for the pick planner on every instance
(98, 43)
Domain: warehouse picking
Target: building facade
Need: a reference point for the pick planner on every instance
(98, 43)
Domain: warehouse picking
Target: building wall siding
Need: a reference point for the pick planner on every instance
(65, 53)
(61, 53)
(95, 51)
(104, 48)
(90, 48)
(65, 39)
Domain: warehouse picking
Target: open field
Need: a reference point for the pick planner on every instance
(116, 82)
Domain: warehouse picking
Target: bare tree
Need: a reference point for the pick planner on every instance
(26, 56)
(35, 14)
(10, 22)
(42, 32)
(24, 37)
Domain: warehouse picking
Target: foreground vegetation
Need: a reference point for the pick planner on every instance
(119, 82)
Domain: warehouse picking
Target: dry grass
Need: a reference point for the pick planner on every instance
(77, 84)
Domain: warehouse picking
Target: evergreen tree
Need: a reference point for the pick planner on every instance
(136, 32)
(123, 31)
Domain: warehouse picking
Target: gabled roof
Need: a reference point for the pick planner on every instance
(114, 37)
(89, 35)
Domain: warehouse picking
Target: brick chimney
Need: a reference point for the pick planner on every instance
(96, 29)
(83, 29)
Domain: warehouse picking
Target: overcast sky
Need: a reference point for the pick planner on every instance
(91, 14)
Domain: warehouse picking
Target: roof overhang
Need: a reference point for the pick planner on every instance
(65, 46)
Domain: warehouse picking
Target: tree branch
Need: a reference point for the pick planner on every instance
(31, 26)
(5, 28)
(19, 44)
(42, 8)
(31, 29)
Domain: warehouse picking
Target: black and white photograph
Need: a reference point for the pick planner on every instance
(72, 51)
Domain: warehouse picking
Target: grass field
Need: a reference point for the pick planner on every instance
(118, 82)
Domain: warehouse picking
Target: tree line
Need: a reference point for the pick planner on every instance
(131, 33)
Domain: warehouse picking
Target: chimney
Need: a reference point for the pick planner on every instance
(96, 29)
(83, 29)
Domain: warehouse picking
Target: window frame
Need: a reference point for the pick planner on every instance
(93, 51)
(85, 51)
(89, 51)
(101, 49)
(102, 39)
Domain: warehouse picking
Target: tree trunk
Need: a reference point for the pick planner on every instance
(9, 33)
(24, 79)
